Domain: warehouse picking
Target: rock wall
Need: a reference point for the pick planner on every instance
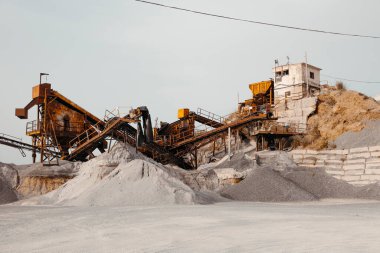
(357, 166)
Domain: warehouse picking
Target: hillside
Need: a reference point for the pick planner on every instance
(338, 112)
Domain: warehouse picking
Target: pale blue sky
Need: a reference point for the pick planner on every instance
(103, 54)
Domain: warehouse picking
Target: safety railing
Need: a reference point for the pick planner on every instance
(88, 134)
(33, 126)
(168, 140)
(210, 115)
(214, 121)
(119, 111)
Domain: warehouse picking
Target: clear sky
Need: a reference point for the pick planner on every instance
(103, 54)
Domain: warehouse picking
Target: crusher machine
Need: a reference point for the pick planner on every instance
(67, 131)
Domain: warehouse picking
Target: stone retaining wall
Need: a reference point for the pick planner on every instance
(357, 166)
(295, 111)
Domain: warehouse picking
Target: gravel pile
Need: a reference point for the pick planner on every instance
(239, 161)
(266, 185)
(122, 178)
(296, 184)
(322, 185)
(369, 136)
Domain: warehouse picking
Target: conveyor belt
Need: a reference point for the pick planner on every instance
(22, 145)
(83, 149)
(220, 130)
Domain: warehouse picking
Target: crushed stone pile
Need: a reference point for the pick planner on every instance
(369, 136)
(266, 185)
(296, 184)
(338, 112)
(322, 185)
(239, 161)
(121, 178)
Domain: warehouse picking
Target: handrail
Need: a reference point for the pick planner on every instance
(35, 125)
(32, 126)
(210, 115)
(86, 134)
(116, 112)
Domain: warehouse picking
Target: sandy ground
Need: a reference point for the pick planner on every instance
(327, 226)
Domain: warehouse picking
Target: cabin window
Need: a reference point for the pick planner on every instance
(286, 72)
(312, 75)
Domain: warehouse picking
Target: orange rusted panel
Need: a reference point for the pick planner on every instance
(183, 113)
(22, 113)
(67, 122)
(38, 91)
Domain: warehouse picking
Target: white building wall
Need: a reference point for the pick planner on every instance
(293, 79)
(291, 104)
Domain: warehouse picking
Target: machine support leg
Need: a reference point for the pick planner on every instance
(213, 149)
(229, 143)
(196, 158)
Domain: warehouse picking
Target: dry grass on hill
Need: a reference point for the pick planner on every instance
(339, 111)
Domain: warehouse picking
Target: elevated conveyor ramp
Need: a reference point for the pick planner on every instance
(222, 130)
(92, 140)
(13, 142)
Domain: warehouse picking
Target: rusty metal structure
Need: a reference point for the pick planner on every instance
(59, 120)
(262, 98)
(64, 130)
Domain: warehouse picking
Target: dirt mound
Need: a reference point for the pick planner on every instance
(338, 112)
(266, 185)
(122, 178)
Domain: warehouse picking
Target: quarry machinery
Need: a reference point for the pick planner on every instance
(59, 120)
(67, 131)
(262, 99)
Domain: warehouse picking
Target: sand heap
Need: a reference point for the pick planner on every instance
(121, 177)
(338, 112)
